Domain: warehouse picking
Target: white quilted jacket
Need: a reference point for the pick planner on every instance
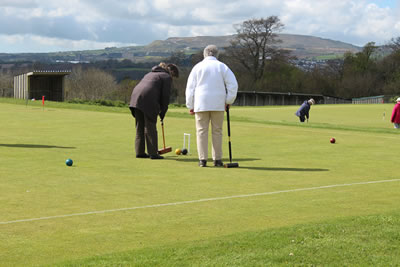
(211, 85)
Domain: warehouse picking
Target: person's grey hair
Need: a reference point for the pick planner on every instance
(211, 50)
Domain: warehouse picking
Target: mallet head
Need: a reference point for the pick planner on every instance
(231, 165)
(164, 150)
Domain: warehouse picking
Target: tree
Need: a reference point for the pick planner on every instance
(197, 57)
(89, 84)
(178, 58)
(395, 44)
(278, 75)
(6, 85)
(389, 68)
(359, 75)
(255, 44)
(124, 90)
(364, 58)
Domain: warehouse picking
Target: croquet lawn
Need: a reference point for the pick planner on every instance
(296, 199)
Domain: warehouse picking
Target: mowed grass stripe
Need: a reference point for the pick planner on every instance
(370, 240)
(200, 200)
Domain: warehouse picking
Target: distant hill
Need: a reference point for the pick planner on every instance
(305, 46)
(302, 46)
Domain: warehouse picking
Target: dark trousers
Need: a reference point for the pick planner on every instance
(146, 134)
(302, 118)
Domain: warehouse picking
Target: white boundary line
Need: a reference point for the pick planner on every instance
(197, 201)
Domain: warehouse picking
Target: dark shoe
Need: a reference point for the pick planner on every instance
(218, 163)
(203, 163)
(143, 156)
(156, 157)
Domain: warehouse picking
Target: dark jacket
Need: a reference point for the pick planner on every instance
(304, 110)
(151, 94)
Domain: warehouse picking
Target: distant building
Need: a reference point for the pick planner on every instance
(245, 98)
(308, 64)
(36, 84)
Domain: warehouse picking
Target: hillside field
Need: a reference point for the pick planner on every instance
(296, 199)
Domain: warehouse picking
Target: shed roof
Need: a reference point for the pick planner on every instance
(49, 72)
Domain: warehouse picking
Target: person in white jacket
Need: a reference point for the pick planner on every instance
(210, 88)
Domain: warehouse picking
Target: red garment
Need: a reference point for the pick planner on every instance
(396, 114)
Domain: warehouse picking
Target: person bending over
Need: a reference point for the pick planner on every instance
(304, 111)
(150, 99)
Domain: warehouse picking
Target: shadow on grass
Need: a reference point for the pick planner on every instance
(209, 160)
(240, 160)
(34, 146)
(284, 169)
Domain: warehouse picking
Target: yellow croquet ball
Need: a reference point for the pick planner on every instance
(178, 151)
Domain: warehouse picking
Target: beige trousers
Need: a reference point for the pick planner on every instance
(202, 124)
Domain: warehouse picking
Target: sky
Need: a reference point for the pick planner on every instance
(70, 25)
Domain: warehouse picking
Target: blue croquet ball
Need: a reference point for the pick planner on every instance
(184, 151)
(69, 162)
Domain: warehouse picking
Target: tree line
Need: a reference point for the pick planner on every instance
(258, 63)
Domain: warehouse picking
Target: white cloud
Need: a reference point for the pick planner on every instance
(12, 39)
(140, 7)
(17, 3)
(76, 45)
(356, 22)
(104, 22)
(375, 23)
(46, 44)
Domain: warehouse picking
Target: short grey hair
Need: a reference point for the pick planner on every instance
(210, 50)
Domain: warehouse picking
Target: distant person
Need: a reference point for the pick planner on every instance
(304, 111)
(395, 119)
(150, 98)
(210, 89)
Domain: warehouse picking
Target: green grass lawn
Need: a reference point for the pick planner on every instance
(295, 200)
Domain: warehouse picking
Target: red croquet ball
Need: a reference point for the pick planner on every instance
(333, 140)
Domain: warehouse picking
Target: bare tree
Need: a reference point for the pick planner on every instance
(89, 84)
(395, 44)
(124, 90)
(6, 85)
(255, 43)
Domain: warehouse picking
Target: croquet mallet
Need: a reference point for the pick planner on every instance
(165, 149)
(230, 164)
